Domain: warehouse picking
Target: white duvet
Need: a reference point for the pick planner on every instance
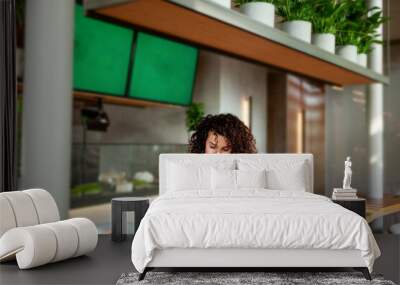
(250, 219)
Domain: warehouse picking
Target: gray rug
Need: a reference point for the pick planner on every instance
(231, 278)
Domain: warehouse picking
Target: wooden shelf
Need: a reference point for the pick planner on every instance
(377, 208)
(210, 26)
(114, 100)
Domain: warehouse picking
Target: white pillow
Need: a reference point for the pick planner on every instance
(282, 174)
(292, 179)
(218, 162)
(181, 177)
(223, 179)
(251, 178)
(191, 174)
(226, 179)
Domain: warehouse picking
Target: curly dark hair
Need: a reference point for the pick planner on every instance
(231, 127)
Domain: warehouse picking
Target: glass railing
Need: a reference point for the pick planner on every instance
(103, 171)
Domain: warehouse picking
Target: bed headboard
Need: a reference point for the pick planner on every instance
(213, 158)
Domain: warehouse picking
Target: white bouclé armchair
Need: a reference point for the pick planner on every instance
(31, 231)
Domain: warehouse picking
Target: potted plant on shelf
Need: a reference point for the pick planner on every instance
(370, 20)
(347, 41)
(357, 31)
(260, 10)
(364, 47)
(326, 14)
(347, 36)
(296, 17)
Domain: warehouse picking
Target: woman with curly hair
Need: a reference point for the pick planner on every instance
(222, 133)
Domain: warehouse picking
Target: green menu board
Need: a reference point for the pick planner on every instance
(163, 70)
(101, 55)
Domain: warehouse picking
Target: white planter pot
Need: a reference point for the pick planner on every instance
(324, 41)
(362, 59)
(124, 187)
(348, 52)
(298, 29)
(225, 3)
(260, 11)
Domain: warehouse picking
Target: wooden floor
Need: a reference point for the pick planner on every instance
(377, 208)
(103, 266)
(110, 259)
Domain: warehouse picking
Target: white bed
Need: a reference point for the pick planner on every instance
(226, 218)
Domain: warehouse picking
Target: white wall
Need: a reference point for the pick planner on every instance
(221, 83)
(208, 81)
(240, 79)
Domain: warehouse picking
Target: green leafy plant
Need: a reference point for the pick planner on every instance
(347, 36)
(358, 26)
(326, 15)
(141, 184)
(241, 2)
(194, 114)
(83, 189)
(371, 20)
(291, 10)
(349, 26)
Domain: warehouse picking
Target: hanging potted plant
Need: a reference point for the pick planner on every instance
(296, 17)
(260, 10)
(326, 15)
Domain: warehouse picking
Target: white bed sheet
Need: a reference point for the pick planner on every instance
(252, 218)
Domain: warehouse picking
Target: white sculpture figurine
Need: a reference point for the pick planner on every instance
(347, 174)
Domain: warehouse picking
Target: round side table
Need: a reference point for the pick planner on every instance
(119, 209)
